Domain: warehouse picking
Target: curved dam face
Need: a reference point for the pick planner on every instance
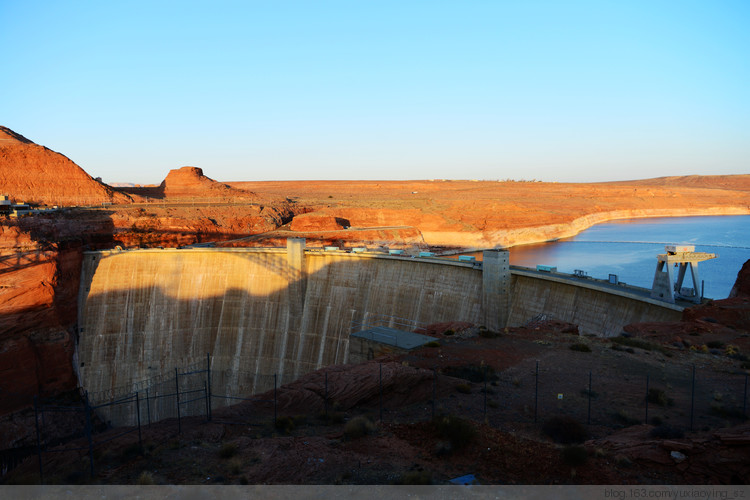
(258, 312)
(287, 312)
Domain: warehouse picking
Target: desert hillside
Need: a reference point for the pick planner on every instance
(35, 174)
(489, 214)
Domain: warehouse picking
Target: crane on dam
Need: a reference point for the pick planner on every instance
(665, 286)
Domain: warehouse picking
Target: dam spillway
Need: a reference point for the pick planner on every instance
(287, 312)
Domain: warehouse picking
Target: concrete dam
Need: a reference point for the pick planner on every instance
(260, 312)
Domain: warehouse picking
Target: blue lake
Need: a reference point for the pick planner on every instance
(628, 248)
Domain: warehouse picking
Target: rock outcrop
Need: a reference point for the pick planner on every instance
(318, 222)
(35, 174)
(741, 286)
(189, 182)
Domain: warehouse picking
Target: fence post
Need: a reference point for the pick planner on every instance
(38, 439)
(646, 399)
(484, 373)
(274, 399)
(177, 395)
(692, 399)
(87, 409)
(380, 383)
(148, 408)
(205, 397)
(434, 390)
(208, 370)
(536, 391)
(138, 413)
(588, 421)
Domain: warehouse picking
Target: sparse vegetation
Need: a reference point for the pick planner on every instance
(580, 347)
(472, 373)
(592, 394)
(235, 465)
(640, 344)
(659, 397)
(574, 455)
(432, 343)
(463, 388)
(625, 419)
(284, 424)
(565, 430)
(666, 431)
(727, 412)
(419, 477)
(358, 427)
(455, 430)
(228, 450)
(146, 479)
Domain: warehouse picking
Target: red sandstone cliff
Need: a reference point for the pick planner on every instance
(35, 174)
(40, 266)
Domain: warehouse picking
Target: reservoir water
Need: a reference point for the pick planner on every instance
(628, 248)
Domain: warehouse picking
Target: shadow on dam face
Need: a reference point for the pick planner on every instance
(259, 313)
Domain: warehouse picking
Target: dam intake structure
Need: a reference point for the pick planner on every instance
(277, 314)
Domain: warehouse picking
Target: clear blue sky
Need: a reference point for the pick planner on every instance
(261, 90)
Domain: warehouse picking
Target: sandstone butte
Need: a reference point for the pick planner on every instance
(40, 255)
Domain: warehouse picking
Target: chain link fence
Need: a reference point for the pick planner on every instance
(683, 398)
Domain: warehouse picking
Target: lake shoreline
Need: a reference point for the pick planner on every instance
(510, 238)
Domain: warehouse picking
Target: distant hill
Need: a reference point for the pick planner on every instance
(34, 174)
(739, 182)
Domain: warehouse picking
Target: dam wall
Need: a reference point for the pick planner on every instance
(597, 308)
(259, 312)
(269, 316)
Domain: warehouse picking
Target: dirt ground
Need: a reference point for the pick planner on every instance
(487, 387)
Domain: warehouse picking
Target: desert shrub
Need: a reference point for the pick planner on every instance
(659, 397)
(449, 332)
(574, 455)
(580, 347)
(420, 477)
(228, 450)
(131, 451)
(587, 393)
(463, 388)
(715, 344)
(724, 412)
(565, 430)
(472, 373)
(625, 419)
(145, 479)
(457, 431)
(358, 427)
(235, 465)
(623, 461)
(666, 431)
(487, 334)
(332, 417)
(432, 343)
(284, 424)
